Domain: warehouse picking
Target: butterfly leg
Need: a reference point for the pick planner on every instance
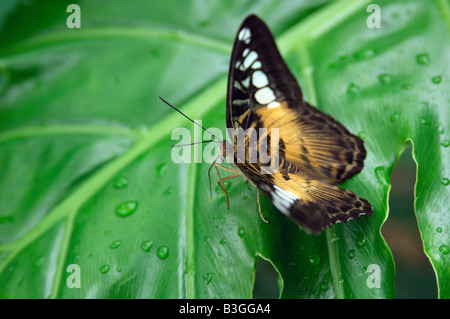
(259, 206)
(221, 180)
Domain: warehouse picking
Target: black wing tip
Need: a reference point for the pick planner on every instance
(322, 219)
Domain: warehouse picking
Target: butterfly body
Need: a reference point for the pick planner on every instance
(314, 151)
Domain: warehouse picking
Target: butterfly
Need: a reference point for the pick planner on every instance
(315, 151)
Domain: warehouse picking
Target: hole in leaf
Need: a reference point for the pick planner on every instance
(266, 281)
(414, 274)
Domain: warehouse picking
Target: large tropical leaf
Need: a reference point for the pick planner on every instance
(85, 160)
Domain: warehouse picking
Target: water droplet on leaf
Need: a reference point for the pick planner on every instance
(351, 254)
(115, 244)
(104, 269)
(445, 181)
(436, 79)
(324, 286)
(146, 245)
(361, 241)
(407, 86)
(444, 249)
(168, 191)
(423, 59)
(126, 208)
(314, 259)
(162, 252)
(394, 117)
(120, 182)
(384, 78)
(161, 169)
(207, 277)
(353, 89)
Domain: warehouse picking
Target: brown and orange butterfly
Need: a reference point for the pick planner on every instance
(315, 151)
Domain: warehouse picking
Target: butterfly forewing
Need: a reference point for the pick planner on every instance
(314, 149)
(258, 76)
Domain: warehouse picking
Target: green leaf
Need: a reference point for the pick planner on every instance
(85, 159)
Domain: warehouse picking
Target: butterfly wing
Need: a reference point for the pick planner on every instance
(262, 91)
(312, 204)
(257, 74)
(314, 149)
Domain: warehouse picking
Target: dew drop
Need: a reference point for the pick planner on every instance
(76, 258)
(394, 117)
(162, 252)
(38, 262)
(439, 230)
(361, 241)
(445, 143)
(104, 269)
(351, 254)
(441, 130)
(364, 54)
(314, 259)
(207, 277)
(436, 79)
(353, 89)
(168, 191)
(120, 182)
(423, 59)
(384, 78)
(115, 244)
(424, 121)
(444, 249)
(445, 181)
(223, 241)
(324, 286)
(407, 86)
(126, 208)
(161, 169)
(146, 245)
(362, 135)
(241, 232)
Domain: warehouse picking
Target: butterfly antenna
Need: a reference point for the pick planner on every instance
(183, 145)
(212, 135)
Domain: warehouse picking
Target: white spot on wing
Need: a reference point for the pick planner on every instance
(245, 35)
(283, 199)
(241, 102)
(251, 57)
(264, 96)
(259, 79)
(257, 65)
(238, 86)
(246, 82)
(273, 104)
